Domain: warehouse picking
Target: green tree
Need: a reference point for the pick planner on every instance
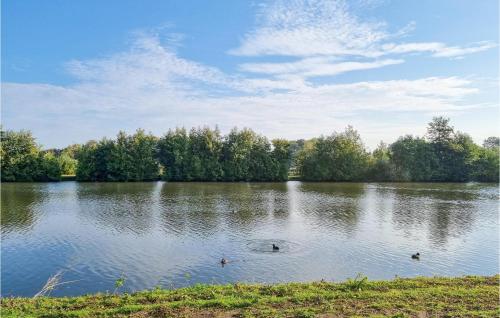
(282, 156)
(22, 159)
(205, 152)
(144, 163)
(93, 161)
(236, 150)
(121, 163)
(491, 142)
(339, 157)
(439, 130)
(50, 167)
(128, 158)
(67, 164)
(19, 156)
(86, 156)
(380, 167)
(453, 151)
(173, 155)
(261, 164)
(413, 159)
(485, 166)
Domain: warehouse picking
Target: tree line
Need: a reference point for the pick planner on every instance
(442, 155)
(204, 154)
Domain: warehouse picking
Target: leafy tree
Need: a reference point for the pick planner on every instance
(454, 151)
(22, 159)
(462, 153)
(121, 165)
(173, 155)
(262, 166)
(339, 157)
(236, 150)
(128, 158)
(19, 156)
(50, 168)
(485, 165)
(143, 154)
(413, 159)
(86, 156)
(67, 164)
(491, 142)
(204, 153)
(439, 130)
(380, 166)
(282, 157)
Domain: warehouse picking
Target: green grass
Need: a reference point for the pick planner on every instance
(471, 296)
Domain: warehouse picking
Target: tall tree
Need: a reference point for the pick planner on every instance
(173, 155)
(339, 157)
(282, 158)
(236, 150)
(22, 159)
(205, 152)
(413, 159)
(380, 166)
(144, 163)
(491, 142)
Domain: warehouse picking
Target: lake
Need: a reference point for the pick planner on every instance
(175, 234)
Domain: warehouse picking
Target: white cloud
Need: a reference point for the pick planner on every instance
(438, 49)
(148, 63)
(456, 51)
(150, 86)
(316, 66)
(307, 28)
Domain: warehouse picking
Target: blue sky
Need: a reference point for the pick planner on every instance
(79, 70)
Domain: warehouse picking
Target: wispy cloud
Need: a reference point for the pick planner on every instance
(150, 85)
(437, 49)
(313, 67)
(305, 28)
(308, 28)
(457, 51)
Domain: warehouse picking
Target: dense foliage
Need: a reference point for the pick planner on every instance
(339, 157)
(128, 158)
(444, 155)
(22, 159)
(203, 154)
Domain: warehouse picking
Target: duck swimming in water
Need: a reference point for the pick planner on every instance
(275, 248)
(223, 261)
(416, 256)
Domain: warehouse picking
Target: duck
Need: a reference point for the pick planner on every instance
(223, 261)
(275, 248)
(416, 256)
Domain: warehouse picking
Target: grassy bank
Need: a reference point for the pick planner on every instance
(472, 296)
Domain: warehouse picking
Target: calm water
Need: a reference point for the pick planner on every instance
(174, 234)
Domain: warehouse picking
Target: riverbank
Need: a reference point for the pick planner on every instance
(472, 296)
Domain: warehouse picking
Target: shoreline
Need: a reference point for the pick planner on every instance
(467, 296)
(73, 179)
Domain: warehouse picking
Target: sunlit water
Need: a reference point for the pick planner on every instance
(174, 234)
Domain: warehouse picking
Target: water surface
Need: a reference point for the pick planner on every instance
(174, 234)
